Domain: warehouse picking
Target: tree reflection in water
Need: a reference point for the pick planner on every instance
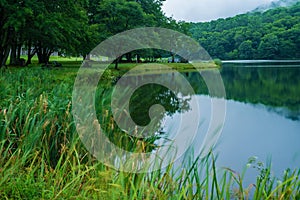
(141, 104)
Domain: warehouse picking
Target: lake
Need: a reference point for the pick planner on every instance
(262, 112)
(263, 116)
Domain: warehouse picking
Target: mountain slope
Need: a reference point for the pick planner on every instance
(275, 4)
(273, 34)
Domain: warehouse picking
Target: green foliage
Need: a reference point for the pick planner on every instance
(246, 50)
(218, 62)
(70, 27)
(273, 34)
(119, 15)
(268, 47)
(41, 156)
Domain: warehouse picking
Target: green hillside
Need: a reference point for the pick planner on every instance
(273, 34)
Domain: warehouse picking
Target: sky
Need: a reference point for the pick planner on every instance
(207, 10)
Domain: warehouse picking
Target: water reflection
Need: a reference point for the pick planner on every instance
(150, 105)
(276, 87)
(262, 118)
(263, 114)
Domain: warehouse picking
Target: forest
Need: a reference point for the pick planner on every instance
(273, 34)
(73, 27)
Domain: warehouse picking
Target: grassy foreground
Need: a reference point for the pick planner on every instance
(41, 156)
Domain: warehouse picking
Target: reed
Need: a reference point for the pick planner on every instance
(42, 157)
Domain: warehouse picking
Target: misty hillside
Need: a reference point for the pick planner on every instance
(275, 4)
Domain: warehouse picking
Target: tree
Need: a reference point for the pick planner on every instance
(11, 23)
(268, 47)
(154, 15)
(42, 25)
(246, 50)
(115, 16)
(60, 26)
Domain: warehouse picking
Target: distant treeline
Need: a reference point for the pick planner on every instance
(273, 34)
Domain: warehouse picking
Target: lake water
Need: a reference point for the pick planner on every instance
(262, 113)
(263, 116)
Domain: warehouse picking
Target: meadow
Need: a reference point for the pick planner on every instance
(42, 157)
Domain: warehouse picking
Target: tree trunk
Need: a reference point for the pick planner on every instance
(13, 54)
(19, 48)
(5, 44)
(138, 58)
(128, 57)
(4, 56)
(117, 62)
(173, 57)
(87, 57)
(16, 45)
(30, 53)
(40, 57)
(43, 54)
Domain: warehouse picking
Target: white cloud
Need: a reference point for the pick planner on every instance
(206, 10)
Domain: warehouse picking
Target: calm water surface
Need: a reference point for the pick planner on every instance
(262, 118)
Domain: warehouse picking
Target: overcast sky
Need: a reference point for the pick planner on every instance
(206, 10)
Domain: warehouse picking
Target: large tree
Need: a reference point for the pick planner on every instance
(12, 20)
(45, 26)
(115, 16)
(60, 26)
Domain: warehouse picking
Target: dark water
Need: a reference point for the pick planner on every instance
(262, 117)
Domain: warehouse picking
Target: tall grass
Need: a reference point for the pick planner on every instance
(41, 156)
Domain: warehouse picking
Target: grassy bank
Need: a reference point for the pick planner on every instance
(41, 156)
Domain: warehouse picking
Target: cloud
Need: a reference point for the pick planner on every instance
(206, 10)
